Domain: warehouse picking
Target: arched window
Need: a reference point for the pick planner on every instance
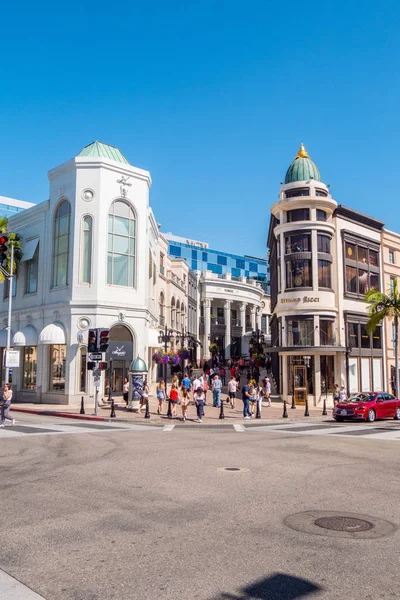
(62, 224)
(121, 245)
(173, 313)
(161, 309)
(87, 225)
(178, 314)
(183, 313)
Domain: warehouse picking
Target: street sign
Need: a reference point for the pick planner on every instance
(96, 381)
(95, 356)
(12, 358)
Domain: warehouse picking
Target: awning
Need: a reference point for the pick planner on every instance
(3, 338)
(52, 334)
(153, 338)
(26, 337)
(29, 249)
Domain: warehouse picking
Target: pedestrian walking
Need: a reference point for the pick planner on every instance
(246, 402)
(222, 373)
(5, 405)
(268, 391)
(232, 389)
(144, 395)
(216, 389)
(199, 401)
(187, 383)
(342, 394)
(174, 397)
(125, 391)
(184, 400)
(260, 397)
(252, 398)
(160, 397)
(336, 394)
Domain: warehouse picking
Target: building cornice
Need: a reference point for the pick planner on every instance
(95, 162)
(356, 217)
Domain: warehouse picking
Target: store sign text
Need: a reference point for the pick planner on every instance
(306, 299)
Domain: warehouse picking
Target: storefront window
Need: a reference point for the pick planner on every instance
(29, 368)
(326, 334)
(353, 334)
(300, 332)
(83, 369)
(308, 362)
(324, 274)
(360, 338)
(298, 274)
(58, 354)
(327, 374)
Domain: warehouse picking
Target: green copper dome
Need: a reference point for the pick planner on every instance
(103, 150)
(302, 168)
(138, 366)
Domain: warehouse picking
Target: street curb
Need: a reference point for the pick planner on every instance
(54, 413)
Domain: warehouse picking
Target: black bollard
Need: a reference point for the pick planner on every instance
(324, 411)
(221, 412)
(306, 412)
(147, 413)
(258, 411)
(285, 415)
(293, 404)
(82, 411)
(112, 414)
(169, 413)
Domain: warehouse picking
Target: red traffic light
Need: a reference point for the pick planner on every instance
(103, 366)
(3, 240)
(3, 248)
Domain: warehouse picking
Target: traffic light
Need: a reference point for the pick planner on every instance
(91, 365)
(3, 248)
(104, 339)
(93, 340)
(103, 366)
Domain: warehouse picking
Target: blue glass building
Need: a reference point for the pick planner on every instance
(201, 258)
(9, 207)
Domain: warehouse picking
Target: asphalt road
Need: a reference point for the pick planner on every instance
(148, 514)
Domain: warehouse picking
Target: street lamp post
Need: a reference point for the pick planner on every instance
(164, 338)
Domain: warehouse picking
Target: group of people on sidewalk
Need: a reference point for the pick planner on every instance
(195, 391)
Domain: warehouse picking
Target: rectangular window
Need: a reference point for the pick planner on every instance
(204, 256)
(365, 340)
(326, 335)
(362, 268)
(321, 214)
(240, 264)
(58, 359)
(351, 279)
(377, 374)
(391, 257)
(299, 214)
(29, 368)
(253, 267)
(327, 374)
(298, 192)
(366, 375)
(320, 193)
(300, 242)
(214, 268)
(377, 338)
(324, 243)
(32, 272)
(221, 260)
(392, 284)
(353, 375)
(175, 251)
(300, 332)
(235, 272)
(298, 274)
(324, 274)
(352, 332)
(194, 254)
(194, 265)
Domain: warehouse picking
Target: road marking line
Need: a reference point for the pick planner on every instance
(12, 589)
(168, 427)
(239, 428)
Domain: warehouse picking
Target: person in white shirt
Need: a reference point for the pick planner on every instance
(232, 389)
(342, 394)
(196, 384)
(268, 391)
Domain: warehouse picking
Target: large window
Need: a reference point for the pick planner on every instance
(298, 192)
(326, 332)
(121, 245)
(321, 215)
(298, 274)
(161, 309)
(62, 224)
(29, 368)
(297, 242)
(87, 225)
(300, 332)
(32, 272)
(58, 359)
(361, 268)
(324, 274)
(324, 243)
(299, 214)
(327, 374)
(358, 337)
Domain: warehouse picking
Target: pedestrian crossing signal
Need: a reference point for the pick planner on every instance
(103, 366)
(93, 340)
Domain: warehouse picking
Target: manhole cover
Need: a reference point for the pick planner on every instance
(343, 524)
(340, 524)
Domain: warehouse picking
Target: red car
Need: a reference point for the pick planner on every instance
(368, 406)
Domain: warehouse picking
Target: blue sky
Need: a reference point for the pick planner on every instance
(212, 97)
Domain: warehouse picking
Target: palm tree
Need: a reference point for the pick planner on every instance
(385, 306)
(12, 238)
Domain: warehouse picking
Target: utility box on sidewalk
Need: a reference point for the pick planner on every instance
(137, 373)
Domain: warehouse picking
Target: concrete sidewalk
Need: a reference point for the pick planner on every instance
(274, 413)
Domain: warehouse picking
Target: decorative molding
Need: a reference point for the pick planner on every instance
(121, 316)
(124, 185)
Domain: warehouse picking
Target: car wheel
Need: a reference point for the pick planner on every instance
(397, 415)
(339, 419)
(371, 416)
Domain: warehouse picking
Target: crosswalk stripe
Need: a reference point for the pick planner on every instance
(239, 428)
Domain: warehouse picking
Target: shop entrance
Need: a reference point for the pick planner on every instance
(300, 384)
(120, 350)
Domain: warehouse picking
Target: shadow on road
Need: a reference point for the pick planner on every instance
(275, 587)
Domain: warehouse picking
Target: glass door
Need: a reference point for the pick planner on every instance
(300, 384)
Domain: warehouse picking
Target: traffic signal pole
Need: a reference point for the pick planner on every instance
(10, 279)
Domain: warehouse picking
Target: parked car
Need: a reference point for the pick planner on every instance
(368, 406)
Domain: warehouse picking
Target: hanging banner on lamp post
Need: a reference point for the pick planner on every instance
(12, 358)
